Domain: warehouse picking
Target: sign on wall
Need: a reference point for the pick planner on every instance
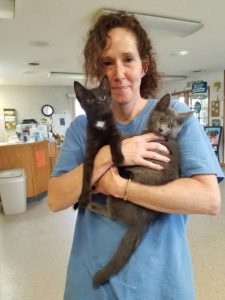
(199, 87)
(10, 118)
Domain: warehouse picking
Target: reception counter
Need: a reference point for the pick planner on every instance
(33, 158)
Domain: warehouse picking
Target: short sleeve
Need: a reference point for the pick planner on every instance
(73, 149)
(196, 153)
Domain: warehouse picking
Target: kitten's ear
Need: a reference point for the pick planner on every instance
(104, 84)
(80, 90)
(163, 103)
(182, 116)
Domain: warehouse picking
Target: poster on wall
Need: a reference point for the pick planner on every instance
(60, 122)
(10, 118)
(215, 122)
(214, 134)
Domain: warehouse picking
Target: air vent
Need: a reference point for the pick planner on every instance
(173, 77)
(66, 75)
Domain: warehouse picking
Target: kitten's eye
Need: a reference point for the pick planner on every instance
(103, 97)
(90, 100)
(170, 126)
(160, 119)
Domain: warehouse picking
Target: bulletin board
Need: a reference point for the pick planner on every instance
(215, 108)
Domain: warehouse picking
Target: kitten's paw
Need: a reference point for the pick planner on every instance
(125, 173)
(75, 206)
(118, 160)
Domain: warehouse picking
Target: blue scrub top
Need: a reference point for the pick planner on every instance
(161, 266)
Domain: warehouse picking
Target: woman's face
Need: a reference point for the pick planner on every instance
(123, 66)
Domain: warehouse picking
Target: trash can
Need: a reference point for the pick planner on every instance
(13, 191)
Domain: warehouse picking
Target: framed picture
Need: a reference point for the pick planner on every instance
(216, 122)
(215, 108)
(214, 135)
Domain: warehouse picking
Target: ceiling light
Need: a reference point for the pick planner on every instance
(173, 77)
(179, 53)
(7, 9)
(169, 25)
(66, 75)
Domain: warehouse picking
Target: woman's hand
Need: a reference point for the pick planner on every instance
(111, 183)
(138, 149)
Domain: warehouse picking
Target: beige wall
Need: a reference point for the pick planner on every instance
(28, 100)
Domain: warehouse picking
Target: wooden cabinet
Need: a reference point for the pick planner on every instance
(34, 159)
(53, 153)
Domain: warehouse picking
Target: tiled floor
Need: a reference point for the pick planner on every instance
(35, 246)
(34, 249)
(207, 242)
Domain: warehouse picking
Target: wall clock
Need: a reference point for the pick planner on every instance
(47, 110)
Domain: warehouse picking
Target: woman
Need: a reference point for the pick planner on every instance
(161, 267)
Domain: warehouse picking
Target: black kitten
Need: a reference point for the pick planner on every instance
(101, 130)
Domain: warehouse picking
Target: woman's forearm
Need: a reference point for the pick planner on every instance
(186, 196)
(197, 195)
(64, 190)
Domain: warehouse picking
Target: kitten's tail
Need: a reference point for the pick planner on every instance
(127, 246)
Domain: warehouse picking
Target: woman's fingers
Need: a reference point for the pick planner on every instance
(152, 137)
(157, 147)
(138, 149)
(153, 142)
(150, 164)
(156, 156)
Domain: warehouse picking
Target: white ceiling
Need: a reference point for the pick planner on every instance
(62, 25)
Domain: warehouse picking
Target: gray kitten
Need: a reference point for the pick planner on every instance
(166, 122)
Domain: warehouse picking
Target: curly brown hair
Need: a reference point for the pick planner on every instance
(97, 40)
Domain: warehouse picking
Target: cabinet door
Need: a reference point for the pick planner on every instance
(18, 156)
(40, 167)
